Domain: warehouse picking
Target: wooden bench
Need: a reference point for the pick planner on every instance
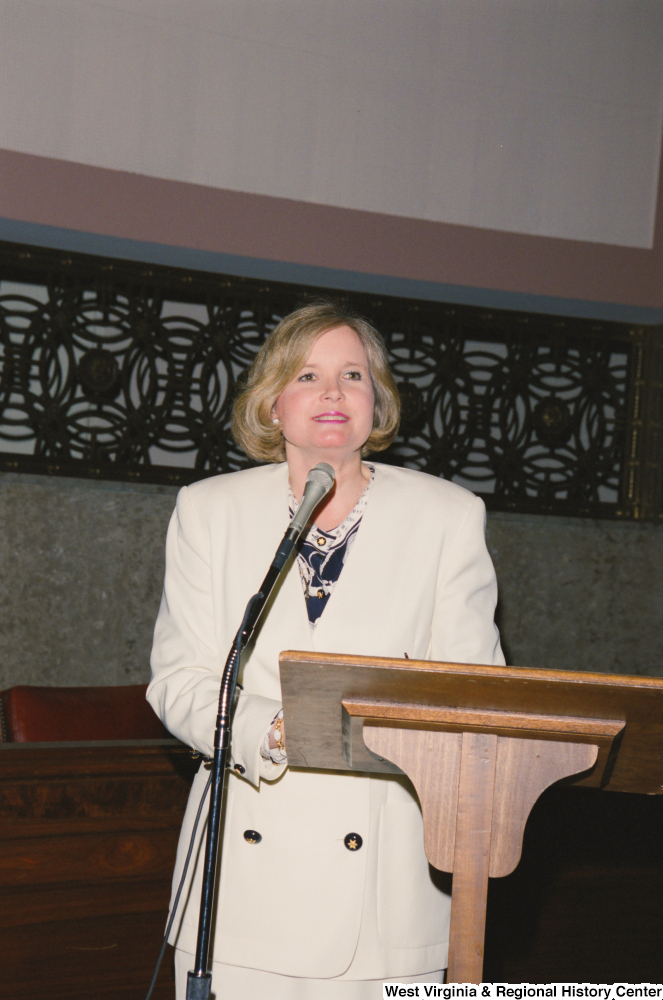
(88, 833)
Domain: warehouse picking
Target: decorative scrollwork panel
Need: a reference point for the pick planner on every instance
(112, 369)
(516, 419)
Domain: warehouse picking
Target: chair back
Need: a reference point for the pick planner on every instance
(55, 714)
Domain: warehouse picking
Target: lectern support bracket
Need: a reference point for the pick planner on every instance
(476, 791)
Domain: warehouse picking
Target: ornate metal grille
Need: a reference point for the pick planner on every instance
(118, 370)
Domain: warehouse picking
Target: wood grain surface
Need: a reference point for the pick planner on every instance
(431, 760)
(525, 768)
(476, 792)
(476, 783)
(88, 834)
(314, 686)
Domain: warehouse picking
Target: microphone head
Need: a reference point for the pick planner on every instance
(323, 475)
(318, 484)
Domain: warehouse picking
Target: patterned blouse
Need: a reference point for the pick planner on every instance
(322, 554)
(321, 558)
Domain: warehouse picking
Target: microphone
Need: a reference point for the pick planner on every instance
(318, 484)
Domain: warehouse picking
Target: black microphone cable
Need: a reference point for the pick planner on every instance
(179, 891)
(237, 653)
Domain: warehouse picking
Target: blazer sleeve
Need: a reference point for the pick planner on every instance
(463, 628)
(186, 661)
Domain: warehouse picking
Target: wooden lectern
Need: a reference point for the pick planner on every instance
(480, 744)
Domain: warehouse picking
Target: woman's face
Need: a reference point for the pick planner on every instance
(327, 409)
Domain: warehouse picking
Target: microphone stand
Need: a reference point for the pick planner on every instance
(319, 482)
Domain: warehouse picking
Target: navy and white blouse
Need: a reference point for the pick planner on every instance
(322, 554)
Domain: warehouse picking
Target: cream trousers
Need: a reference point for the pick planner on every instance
(230, 982)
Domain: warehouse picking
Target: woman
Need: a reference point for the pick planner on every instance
(394, 564)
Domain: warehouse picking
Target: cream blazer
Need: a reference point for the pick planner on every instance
(417, 580)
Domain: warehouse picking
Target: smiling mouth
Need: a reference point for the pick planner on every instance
(331, 418)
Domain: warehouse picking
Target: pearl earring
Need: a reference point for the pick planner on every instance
(275, 420)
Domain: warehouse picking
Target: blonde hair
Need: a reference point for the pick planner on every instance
(283, 354)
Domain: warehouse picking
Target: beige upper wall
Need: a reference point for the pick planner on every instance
(536, 118)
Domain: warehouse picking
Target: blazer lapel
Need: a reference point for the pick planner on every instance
(343, 627)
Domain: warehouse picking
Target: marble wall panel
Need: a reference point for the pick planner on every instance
(578, 594)
(81, 567)
(81, 572)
